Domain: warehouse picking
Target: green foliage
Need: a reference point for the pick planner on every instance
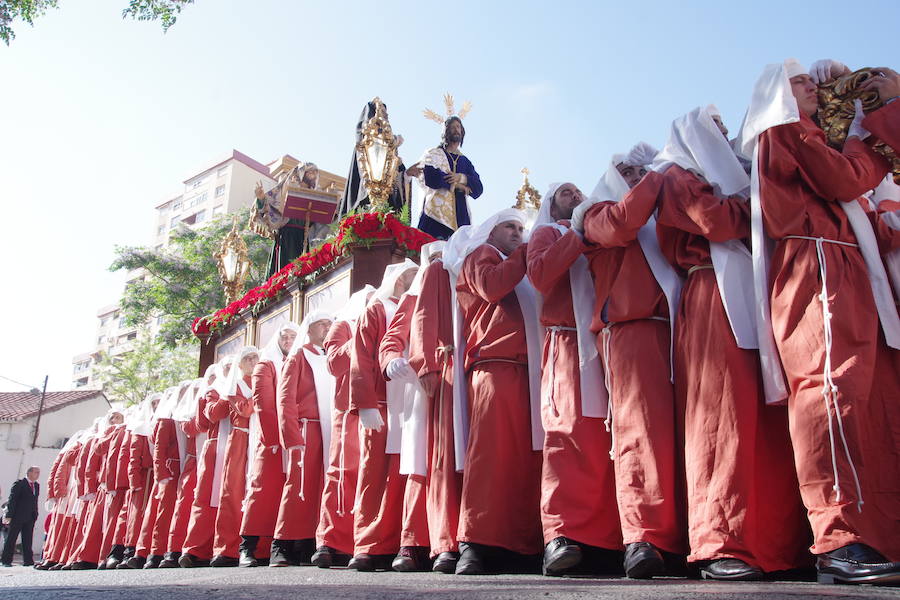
(404, 215)
(180, 282)
(150, 10)
(166, 11)
(26, 10)
(148, 367)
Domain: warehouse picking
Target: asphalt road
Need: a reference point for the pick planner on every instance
(299, 583)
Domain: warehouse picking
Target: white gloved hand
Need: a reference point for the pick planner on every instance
(89, 497)
(641, 155)
(823, 70)
(399, 369)
(856, 128)
(371, 418)
(50, 504)
(578, 215)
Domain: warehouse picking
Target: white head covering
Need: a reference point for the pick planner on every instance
(76, 438)
(612, 187)
(543, 215)
(168, 403)
(272, 351)
(140, 421)
(303, 331)
(355, 305)
(391, 274)
(186, 408)
(425, 254)
(482, 232)
(696, 144)
(235, 376)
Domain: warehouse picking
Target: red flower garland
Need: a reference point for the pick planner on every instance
(354, 228)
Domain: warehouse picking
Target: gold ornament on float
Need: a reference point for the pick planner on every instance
(376, 155)
(836, 111)
(233, 260)
(528, 200)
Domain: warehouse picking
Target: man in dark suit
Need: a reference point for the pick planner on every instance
(21, 513)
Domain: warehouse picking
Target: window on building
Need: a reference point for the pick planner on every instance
(200, 216)
(220, 191)
(218, 210)
(121, 322)
(100, 340)
(81, 382)
(174, 222)
(104, 321)
(161, 230)
(222, 172)
(197, 182)
(131, 336)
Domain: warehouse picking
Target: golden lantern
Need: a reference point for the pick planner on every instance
(234, 264)
(376, 155)
(528, 200)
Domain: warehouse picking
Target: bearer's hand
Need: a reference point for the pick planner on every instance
(414, 170)
(399, 369)
(371, 418)
(260, 193)
(856, 128)
(826, 69)
(887, 83)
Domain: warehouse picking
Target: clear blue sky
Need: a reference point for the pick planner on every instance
(103, 118)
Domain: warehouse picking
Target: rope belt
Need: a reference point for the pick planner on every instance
(696, 268)
(244, 429)
(551, 354)
(606, 332)
(829, 388)
(446, 359)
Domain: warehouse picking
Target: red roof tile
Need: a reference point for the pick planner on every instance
(16, 406)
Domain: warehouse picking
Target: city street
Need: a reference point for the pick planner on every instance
(338, 584)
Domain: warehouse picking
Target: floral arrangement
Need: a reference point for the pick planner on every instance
(354, 229)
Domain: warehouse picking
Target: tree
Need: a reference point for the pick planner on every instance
(166, 11)
(180, 282)
(149, 366)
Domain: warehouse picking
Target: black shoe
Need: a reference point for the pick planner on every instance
(6, 564)
(83, 565)
(730, 569)
(643, 561)
(856, 563)
(303, 551)
(361, 562)
(45, 566)
(116, 555)
(170, 560)
(322, 557)
(471, 560)
(223, 561)
(56, 567)
(101, 566)
(411, 559)
(445, 563)
(135, 562)
(153, 561)
(189, 561)
(560, 555)
(282, 554)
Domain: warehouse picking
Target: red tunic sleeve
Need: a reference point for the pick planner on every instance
(432, 321)
(165, 450)
(396, 338)
(884, 124)
(94, 465)
(264, 381)
(216, 409)
(616, 224)
(490, 276)
(54, 475)
(367, 385)
(296, 398)
(337, 344)
(123, 460)
(550, 255)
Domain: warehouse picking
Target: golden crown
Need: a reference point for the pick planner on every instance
(451, 111)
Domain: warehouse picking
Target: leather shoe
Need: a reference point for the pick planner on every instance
(856, 563)
(471, 561)
(322, 557)
(135, 562)
(445, 563)
(560, 554)
(281, 554)
(303, 551)
(189, 561)
(153, 561)
(411, 559)
(247, 559)
(170, 560)
(223, 561)
(643, 561)
(730, 569)
(6, 564)
(45, 566)
(83, 565)
(56, 567)
(362, 562)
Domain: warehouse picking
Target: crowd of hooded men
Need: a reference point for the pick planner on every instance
(692, 371)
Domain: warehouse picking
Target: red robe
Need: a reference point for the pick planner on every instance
(500, 503)
(649, 484)
(161, 505)
(140, 483)
(430, 351)
(339, 493)
(379, 487)
(92, 541)
(237, 408)
(187, 484)
(122, 487)
(66, 488)
(578, 491)
(801, 182)
(735, 446)
(267, 469)
(57, 516)
(414, 529)
(82, 507)
(201, 526)
(299, 425)
(116, 487)
(884, 124)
